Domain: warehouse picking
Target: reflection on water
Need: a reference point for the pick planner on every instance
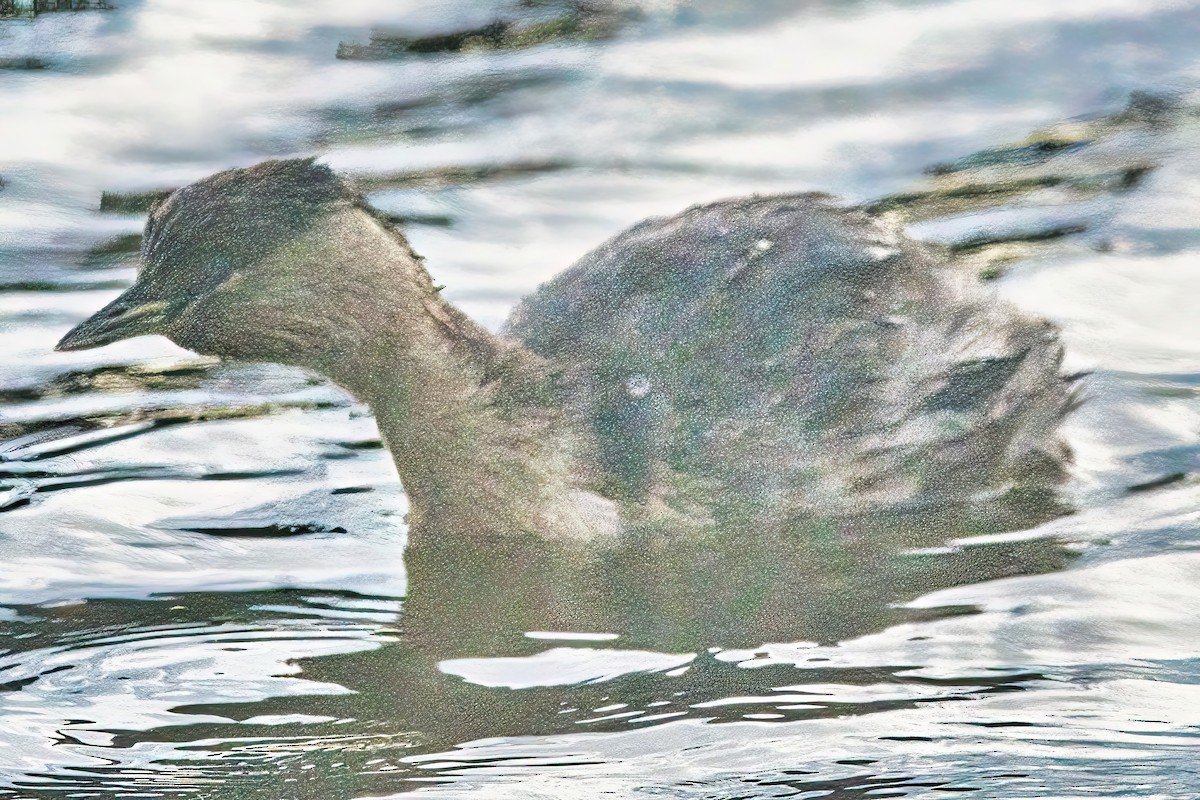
(203, 590)
(496, 638)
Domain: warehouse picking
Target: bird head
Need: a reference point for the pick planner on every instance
(234, 265)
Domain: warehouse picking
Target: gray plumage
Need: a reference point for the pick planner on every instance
(803, 355)
(752, 361)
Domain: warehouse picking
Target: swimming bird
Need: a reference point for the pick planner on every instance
(754, 361)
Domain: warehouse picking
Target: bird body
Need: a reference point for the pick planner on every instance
(799, 357)
(750, 362)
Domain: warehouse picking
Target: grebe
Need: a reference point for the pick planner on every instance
(750, 362)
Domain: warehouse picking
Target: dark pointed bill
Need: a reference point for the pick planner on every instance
(134, 313)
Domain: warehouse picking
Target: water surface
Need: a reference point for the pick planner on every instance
(202, 584)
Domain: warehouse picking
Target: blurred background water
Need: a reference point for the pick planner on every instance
(202, 588)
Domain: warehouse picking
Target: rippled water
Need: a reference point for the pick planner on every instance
(202, 588)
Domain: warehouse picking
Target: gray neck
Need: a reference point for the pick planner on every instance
(472, 421)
